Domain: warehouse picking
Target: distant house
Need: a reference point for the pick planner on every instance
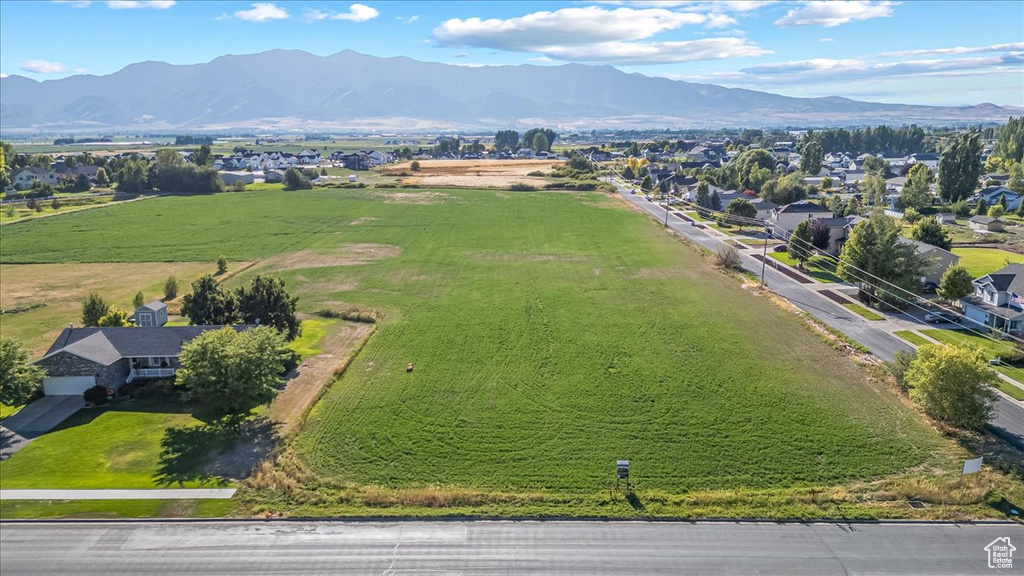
(595, 154)
(81, 358)
(25, 178)
(838, 231)
(928, 159)
(786, 218)
(946, 218)
(992, 194)
(1000, 178)
(273, 176)
(936, 260)
(985, 224)
(998, 300)
(230, 178)
(152, 314)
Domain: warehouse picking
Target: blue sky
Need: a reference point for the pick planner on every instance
(948, 53)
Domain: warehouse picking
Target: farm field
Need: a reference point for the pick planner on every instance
(474, 173)
(54, 292)
(981, 261)
(551, 334)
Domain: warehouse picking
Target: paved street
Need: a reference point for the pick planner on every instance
(484, 547)
(1009, 420)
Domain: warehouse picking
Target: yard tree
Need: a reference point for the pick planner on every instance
(826, 185)
(800, 243)
(1016, 182)
(94, 308)
(715, 201)
(703, 191)
(267, 303)
(929, 231)
(956, 283)
(540, 142)
(1010, 141)
(506, 140)
(230, 372)
(875, 165)
(169, 158)
(203, 156)
(874, 258)
(982, 209)
(784, 190)
(953, 384)
(170, 288)
(138, 300)
(55, 204)
(821, 234)
(996, 211)
(132, 177)
(960, 167)
(751, 167)
(19, 380)
(5, 170)
(82, 183)
(810, 160)
(742, 209)
(415, 166)
(915, 193)
(646, 184)
(209, 304)
(873, 188)
(102, 180)
(115, 318)
(296, 180)
(222, 265)
(529, 138)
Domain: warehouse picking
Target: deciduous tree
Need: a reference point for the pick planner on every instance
(874, 258)
(94, 308)
(916, 193)
(960, 167)
(209, 304)
(19, 380)
(115, 318)
(266, 302)
(800, 243)
(929, 231)
(953, 384)
(956, 283)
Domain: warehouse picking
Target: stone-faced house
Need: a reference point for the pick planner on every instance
(81, 358)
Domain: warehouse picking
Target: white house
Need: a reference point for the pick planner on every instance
(998, 300)
(928, 159)
(230, 178)
(24, 178)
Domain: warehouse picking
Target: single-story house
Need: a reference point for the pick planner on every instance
(984, 223)
(997, 301)
(273, 177)
(24, 178)
(936, 260)
(786, 218)
(927, 158)
(993, 194)
(946, 218)
(81, 358)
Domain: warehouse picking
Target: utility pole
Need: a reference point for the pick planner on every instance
(665, 196)
(764, 254)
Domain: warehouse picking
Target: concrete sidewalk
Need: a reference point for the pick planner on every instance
(136, 494)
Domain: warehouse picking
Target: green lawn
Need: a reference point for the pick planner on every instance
(12, 509)
(6, 410)
(109, 447)
(913, 337)
(818, 267)
(981, 261)
(862, 311)
(551, 334)
(991, 348)
(313, 330)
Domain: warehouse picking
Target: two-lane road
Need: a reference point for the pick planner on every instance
(483, 547)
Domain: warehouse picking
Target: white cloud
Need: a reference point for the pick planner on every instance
(720, 21)
(2, 75)
(413, 18)
(1015, 46)
(640, 53)
(356, 13)
(835, 12)
(697, 5)
(132, 4)
(261, 12)
(43, 67)
(74, 3)
(826, 40)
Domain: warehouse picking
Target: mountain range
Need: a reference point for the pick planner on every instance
(291, 89)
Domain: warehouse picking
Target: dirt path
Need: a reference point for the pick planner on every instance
(290, 407)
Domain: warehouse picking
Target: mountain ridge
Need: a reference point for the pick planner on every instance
(296, 89)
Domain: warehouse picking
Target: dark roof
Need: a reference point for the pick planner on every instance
(154, 305)
(1004, 311)
(924, 156)
(1006, 278)
(983, 219)
(803, 206)
(108, 345)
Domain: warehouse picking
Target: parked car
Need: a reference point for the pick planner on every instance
(929, 288)
(940, 317)
(633, 191)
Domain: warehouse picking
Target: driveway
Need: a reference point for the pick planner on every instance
(34, 420)
(1008, 422)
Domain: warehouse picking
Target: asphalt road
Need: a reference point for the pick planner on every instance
(482, 547)
(1009, 419)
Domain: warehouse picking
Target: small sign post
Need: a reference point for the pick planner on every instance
(972, 466)
(622, 473)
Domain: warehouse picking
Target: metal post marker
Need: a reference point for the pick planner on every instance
(764, 254)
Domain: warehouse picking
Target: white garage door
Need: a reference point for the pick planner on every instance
(67, 385)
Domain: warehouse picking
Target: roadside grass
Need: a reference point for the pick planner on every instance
(1015, 392)
(551, 334)
(862, 311)
(6, 410)
(815, 267)
(117, 446)
(313, 331)
(991, 348)
(913, 337)
(54, 292)
(981, 261)
(70, 509)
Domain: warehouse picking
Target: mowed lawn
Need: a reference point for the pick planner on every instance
(981, 261)
(551, 334)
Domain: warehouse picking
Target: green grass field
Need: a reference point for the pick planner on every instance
(991, 349)
(862, 311)
(981, 261)
(551, 333)
(819, 268)
(913, 337)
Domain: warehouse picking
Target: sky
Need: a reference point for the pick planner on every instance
(917, 52)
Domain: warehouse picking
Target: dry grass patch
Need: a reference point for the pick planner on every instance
(62, 287)
(354, 254)
(425, 197)
(473, 173)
